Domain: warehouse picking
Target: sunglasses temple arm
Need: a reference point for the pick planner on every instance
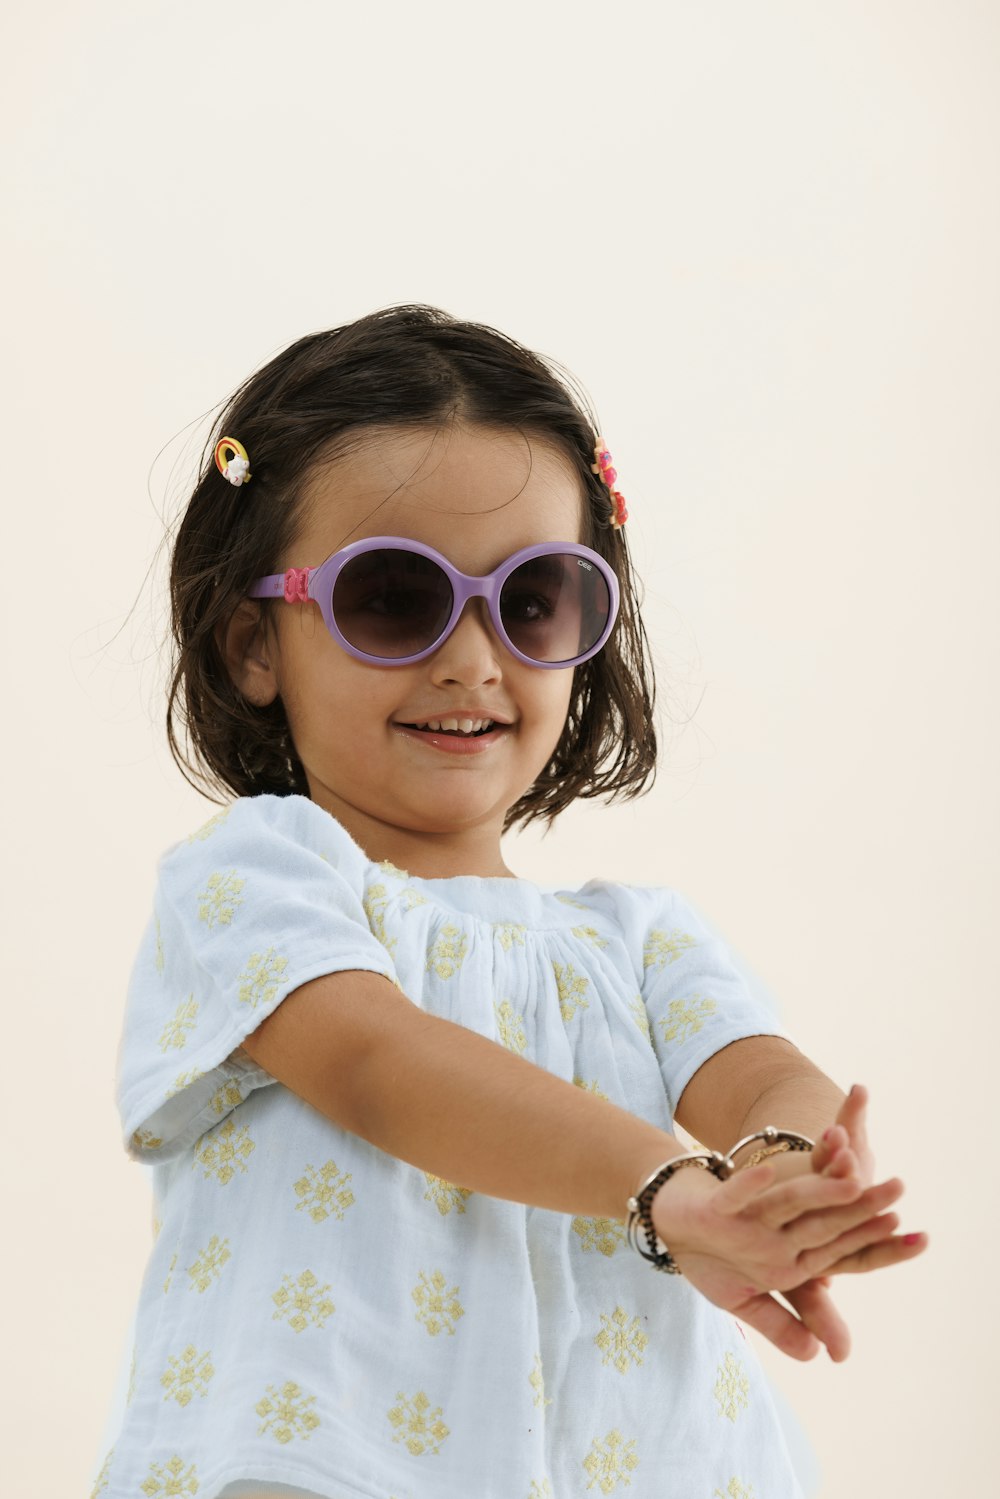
(292, 586)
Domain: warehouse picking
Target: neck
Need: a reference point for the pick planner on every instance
(422, 852)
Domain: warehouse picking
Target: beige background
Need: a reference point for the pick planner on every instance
(765, 235)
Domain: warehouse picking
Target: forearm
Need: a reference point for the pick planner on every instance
(753, 1082)
(804, 1099)
(462, 1107)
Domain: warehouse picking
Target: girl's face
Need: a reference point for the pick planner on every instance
(475, 494)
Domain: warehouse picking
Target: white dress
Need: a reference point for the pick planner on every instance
(319, 1314)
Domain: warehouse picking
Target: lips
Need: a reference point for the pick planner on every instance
(455, 741)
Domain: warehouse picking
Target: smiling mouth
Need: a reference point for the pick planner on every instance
(460, 728)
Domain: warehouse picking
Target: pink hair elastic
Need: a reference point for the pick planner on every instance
(608, 474)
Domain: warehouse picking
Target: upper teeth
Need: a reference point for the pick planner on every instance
(466, 725)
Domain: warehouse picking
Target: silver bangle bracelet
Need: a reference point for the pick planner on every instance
(721, 1166)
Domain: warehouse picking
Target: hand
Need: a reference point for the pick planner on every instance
(847, 1136)
(738, 1241)
(843, 1151)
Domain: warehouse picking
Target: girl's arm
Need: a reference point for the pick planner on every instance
(453, 1103)
(757, 1081)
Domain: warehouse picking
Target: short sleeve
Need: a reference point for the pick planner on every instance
(268, 895)
(698, 998)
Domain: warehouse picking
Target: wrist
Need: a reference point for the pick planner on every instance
(678, 1206)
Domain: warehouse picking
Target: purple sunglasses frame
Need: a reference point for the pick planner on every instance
(300, 584)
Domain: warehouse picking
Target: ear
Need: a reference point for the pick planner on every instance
(248, 650)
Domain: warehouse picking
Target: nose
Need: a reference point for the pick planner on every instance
(472, 654)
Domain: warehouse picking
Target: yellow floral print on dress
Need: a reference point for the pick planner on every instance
(224, 1151)
(541, 1490)
(324, 1193)
(611, 1461)
(732, 1387)
(144, 1139)
(374, 905)
(447, 954)
(225, 1098)
(571, 987)
(438, 1306)
(258, 983)
(445, 1195)
(510, 1027)
(177, 1030)
(184, 1080)
(208, 1266)
(509, 934)
(187, 1375)
(592, 1087)
(220, 899)
(606, 1235)
(536, 1379)
(171, 1480)
(302, 1302)
(621, 1341)
(590, 934)
(735, 1489)
(416, 1424)
(685, 1017)
(287, 1413)
(640, 1015)
(665, 947)
(208, 828)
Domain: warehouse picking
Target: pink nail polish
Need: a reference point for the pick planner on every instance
(827, 1133)
(912, 1238)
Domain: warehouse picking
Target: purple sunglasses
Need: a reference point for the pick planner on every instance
(390, 602)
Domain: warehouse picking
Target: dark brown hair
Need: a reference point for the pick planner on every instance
(409, 366)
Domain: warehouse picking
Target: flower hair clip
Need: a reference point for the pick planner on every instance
(232, 460)
(608, 474)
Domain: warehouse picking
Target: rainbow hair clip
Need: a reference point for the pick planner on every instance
(232, 460)
(608, 474)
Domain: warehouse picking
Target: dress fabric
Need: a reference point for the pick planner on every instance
(317, 1313)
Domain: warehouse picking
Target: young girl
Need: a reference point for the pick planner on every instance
(411, 1115)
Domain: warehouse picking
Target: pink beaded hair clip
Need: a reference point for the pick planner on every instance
(232, 460)
(604, 470)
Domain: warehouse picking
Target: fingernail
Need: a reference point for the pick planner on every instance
(912, 1238)
(828, 1134)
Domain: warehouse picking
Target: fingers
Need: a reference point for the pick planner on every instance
(856, 1242)
(811, 1228)
(806, 1194)
(740, 1190)
(881, 1255)
(852, 1115)
(780, 1326)
(830, 1142)
(814, 1305)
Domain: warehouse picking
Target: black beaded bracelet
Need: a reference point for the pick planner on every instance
(640, 1214)
(721, 1166)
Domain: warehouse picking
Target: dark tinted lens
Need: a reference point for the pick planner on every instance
(555, 607)
(391, 603)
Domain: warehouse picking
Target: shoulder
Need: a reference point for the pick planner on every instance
(274, 833)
